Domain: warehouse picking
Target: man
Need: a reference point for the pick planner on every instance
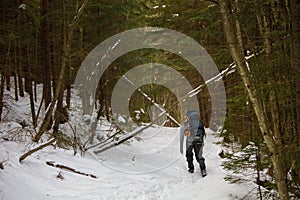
(194, 131)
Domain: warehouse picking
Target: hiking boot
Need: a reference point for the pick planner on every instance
(191, 170)
(203, 172)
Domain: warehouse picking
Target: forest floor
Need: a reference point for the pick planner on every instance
(144, 169)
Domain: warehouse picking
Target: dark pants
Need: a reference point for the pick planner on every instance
(198, 149)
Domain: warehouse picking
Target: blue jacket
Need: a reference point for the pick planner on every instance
(189, 140)
(192, 122)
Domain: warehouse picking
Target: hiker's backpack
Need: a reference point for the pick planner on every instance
(194, 126)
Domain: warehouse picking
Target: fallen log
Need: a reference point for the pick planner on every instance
(36, 149)
(53, 164)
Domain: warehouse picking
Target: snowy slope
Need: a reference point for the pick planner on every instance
(150, 169)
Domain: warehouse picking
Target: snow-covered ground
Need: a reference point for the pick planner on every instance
(151, 168)
(161, 174)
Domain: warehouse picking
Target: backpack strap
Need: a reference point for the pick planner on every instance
(188, 126)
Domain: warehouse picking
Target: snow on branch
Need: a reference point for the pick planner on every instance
(53, 164)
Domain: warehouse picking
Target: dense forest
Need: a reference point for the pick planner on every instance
(44, 43)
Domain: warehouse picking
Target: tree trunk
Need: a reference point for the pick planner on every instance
(263, 25)
(266, 31)
(16, 70)
(258, 169)
(68, 87)
(32, 108)
(46, 57)
(58, 114)
(238, 57)
(237, 24)
(29, 89)
(1, 94)
(19, 67)
(295, 17)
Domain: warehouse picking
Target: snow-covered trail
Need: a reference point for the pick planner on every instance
(150, 169)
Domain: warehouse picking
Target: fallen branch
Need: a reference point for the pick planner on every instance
(127, 136)
(53, 164)
(36, 149)
(104, 142)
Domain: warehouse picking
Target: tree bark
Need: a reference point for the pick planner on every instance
(46, 58)
(238, 57)
(28, 84)
(262, 22)
(19, 69)
(15, 71)
(1, 94)
(295, 17)
(266, 31)
(237, 24)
